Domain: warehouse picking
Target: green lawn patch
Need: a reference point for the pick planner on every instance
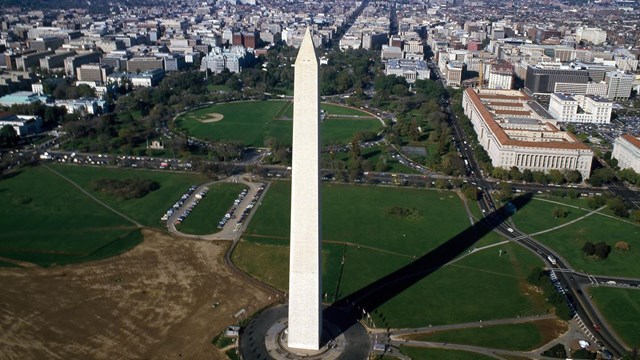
(253, 122)
(441, 354)
(516, 337)
(205, 216)
(358, 228)
(569, 240)
(46, 220)
(147, 210)
(359, 214)
(538, 214)
(621, 308)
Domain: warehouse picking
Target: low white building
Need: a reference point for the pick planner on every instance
(391, 52)
(411, 70)
(83, 105)
(580, 108)
(147, 78)
(516, 131)
(22, 124)
(626, 149)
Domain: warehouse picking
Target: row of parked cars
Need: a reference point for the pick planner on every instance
(181, 202)
(556, 283)
(253, 202)
(231, 213)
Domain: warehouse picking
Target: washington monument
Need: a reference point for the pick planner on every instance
(305, 284)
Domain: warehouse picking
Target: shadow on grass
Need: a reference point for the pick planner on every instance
(10, 174)
(372, 296)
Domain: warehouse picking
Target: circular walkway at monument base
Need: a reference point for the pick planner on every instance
(343, 338)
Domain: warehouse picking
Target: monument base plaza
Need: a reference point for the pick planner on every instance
(265, 337)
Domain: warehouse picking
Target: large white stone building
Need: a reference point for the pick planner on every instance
(626, 149)
(411, 70)
(580, 108)
(594, 35)
(516, 131)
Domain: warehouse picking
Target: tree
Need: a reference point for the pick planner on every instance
(602, 176)
(506, 192)
(596, 202)
(539, 177)
(527, 175)
(536, 276)
(8, 137)
(514, 173)
(602, 250)
(589, 248)
(618, 207)
(635, 216)
(573, 176)
(556, 177)
(559, 212)
(470, 192)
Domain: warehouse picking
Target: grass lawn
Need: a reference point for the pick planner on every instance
(516, 337)
(568, 242)
(441, 354)
(375, 243)
(621, 308)
(46, 220)
(147, 210)
(253, 122)
(205, 216)
(538, 214)
(361, 215)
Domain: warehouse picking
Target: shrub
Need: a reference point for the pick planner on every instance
(125, 189)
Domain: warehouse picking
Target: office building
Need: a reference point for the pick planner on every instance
(541, 78)
(580, 108)
(626, 149)
(516, 131)
(619, 84)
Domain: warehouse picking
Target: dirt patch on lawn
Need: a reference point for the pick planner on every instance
(154, 301)
(551, 329)
(211, 118)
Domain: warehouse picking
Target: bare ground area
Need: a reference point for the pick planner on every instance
(211, 118)
(153, 302)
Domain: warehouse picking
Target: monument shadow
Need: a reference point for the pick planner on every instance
(372, 296)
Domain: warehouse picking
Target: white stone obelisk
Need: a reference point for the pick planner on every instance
(305, 276)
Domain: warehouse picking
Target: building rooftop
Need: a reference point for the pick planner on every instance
(632, 140)
(494, 119)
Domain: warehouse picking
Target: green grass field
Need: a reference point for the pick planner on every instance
(538, 214)
(441, 354)
(253, 122)
(568, 242)
(205, 216)
(147, 210)
(621, 308)
(516, 337)
(46, 220)
(358, 227)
